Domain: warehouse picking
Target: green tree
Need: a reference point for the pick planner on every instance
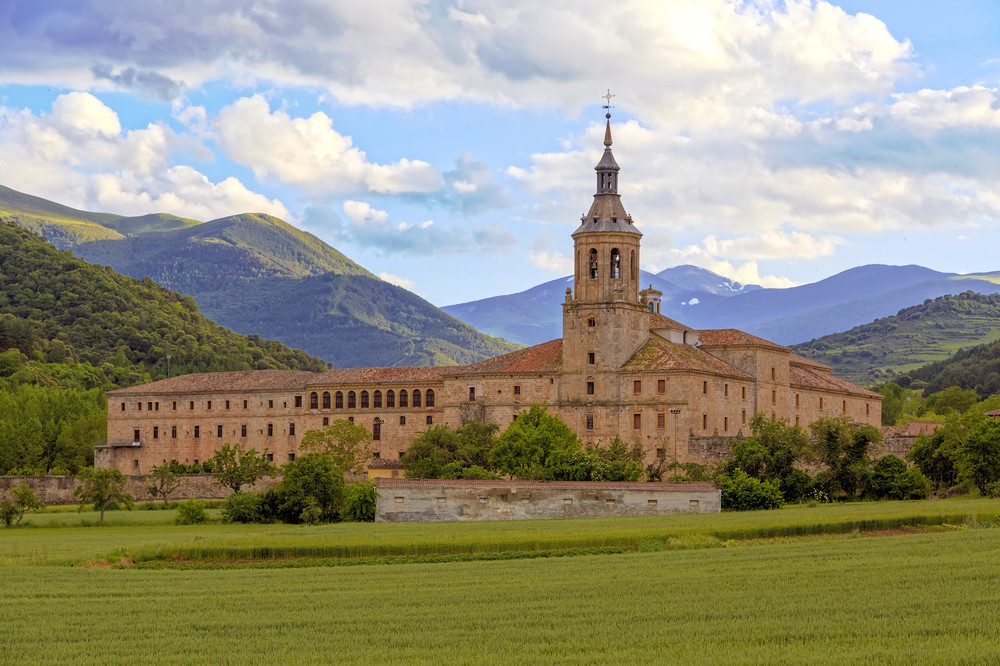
(742, 492)
(311, 490)
(101, 487)
(533, 445)
(441, 453)
(360, 503)
(979, 455)
(22, 499)
(236, 465)
(163, 481)
(843, 448)
(770, 453)
(886, 474)
(346, 444)
(953, 399)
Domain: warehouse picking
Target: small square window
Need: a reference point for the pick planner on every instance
(291, 457)
(270, 404)
(517, 390)
(270, 457)
(430, 420)
(298, 401)
(402, 420)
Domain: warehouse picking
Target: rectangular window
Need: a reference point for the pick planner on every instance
(590, 388)
(243, 430)
(218, 431)
(191, 406)
(725, 390)
(661, 385)
(376, 432)
(156, 432)
(590, 421)
(139, 405)
(704, 421)
(135, 435)
(402, 420)
(123, 406)
(744, 391)
(821, 403)
(637, 386)
(298, 401)
(774, 397)
(843, 407)
(173, 432)
(156, 406)
(326, 421)
(244, 404)
(661, 420)
(270, 457)
(773, 374)
(743, 417)
(135, 464)
(796, 399)
(291, 429)
(725, 424)
(270, 404)
(209, 405)
(636, 421)
(661, 454)
(590, 358)
(270, 430)
(149, 406)
(866, 409)
(227, 404)
(291, 457)
(517, 390)
(796, 421)
(174, 406)
(197, 432)
(704, 388)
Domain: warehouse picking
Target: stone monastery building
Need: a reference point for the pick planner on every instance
(621, 368)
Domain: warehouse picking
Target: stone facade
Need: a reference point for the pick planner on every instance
(620, 369)
(426, 500)
(55, 490)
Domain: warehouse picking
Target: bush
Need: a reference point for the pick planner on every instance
(742, 492)
(796, 485)
(885, 477)
(191, 512)
(315, 477)
(242, 508)
(360, 503)
(912, 484)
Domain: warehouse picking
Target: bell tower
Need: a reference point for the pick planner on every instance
(604, 320)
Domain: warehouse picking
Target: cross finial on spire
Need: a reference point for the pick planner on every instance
(607, 103)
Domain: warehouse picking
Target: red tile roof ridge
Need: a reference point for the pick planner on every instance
(658, 353)
(656, 320)
(542, 485)
(812, 378)
(225, 382)
(544, 357)
(428, 373)
(714, 337)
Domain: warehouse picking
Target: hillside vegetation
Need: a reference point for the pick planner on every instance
(256, 274)
(898, 345)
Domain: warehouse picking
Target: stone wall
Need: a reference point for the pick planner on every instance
(425, 500)
(59, 489)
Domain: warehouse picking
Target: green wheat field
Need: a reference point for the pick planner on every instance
(799, 585)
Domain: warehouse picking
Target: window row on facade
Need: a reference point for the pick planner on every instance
(154, 406)
(373, 400)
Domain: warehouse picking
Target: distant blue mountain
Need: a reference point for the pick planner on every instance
(702, 299)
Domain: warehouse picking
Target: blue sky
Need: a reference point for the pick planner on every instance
(449, 145)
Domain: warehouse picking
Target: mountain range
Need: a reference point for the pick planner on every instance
(704, 300)
(256, 274)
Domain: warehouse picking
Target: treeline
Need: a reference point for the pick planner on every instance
(70, 330)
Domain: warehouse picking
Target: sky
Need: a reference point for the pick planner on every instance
(448, 145)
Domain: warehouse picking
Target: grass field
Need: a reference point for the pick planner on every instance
(844, 598)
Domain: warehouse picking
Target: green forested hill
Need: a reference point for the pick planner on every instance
(931, 332)
(256, 274)
(55, 308)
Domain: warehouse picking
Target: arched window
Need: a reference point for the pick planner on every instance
(326, 400)
(377, 399)
(591, 322)
(313, 400)
(616, 264)
(416, 397)
(364, 400)
(352, 400)
(377, 430)
(402, 420)
(390, 399)
(593, 263)
(429, 401)
(403, 402)
(633, 267)
(338, 400)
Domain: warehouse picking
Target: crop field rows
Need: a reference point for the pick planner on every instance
(843, 598)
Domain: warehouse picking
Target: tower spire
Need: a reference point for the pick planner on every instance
(607, 128)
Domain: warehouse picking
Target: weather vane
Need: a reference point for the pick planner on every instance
(607, 100)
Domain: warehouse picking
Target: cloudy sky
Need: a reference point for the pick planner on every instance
(449, 145)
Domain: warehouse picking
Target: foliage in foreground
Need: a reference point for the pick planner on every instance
(103, 488)
(237, 465)
(21, 500)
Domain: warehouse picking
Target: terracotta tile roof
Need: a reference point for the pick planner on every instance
(546, 357)
(798, 359)
(229, 382)
(381, 375)
(731, 336)
(659, 321)
(541, 485)
(660, 354)
(811, 378)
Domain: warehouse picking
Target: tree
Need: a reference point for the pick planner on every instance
(236, 465)
(742, 492)
(979, 455)
(843, 448)
(311, 490)
(346, 444)
(101, 487)
(533, 444)
(954, 399)
(361, 502)
(163, 481)
(770, 453)
(440, 453)
(22, 500)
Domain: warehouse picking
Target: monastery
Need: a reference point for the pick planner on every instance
(621, 368)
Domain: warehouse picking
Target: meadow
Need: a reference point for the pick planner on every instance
(832, 598)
